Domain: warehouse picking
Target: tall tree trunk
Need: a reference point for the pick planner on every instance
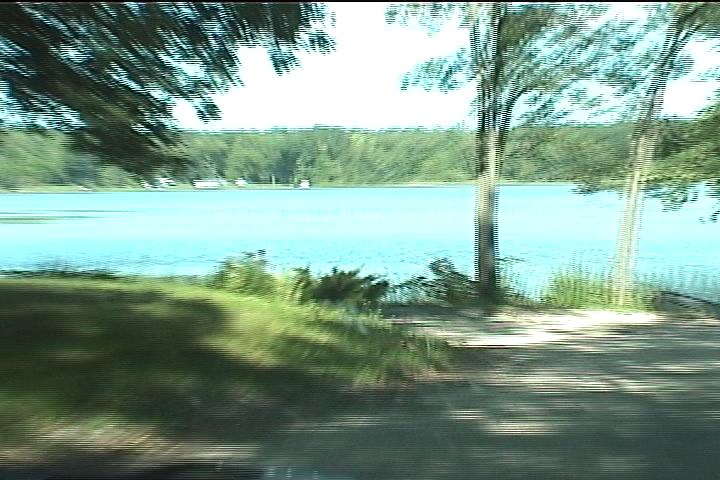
(643, 154)
(488, 149)
(629, 228)
(486, 219)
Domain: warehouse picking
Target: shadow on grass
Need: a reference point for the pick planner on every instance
(141, 358)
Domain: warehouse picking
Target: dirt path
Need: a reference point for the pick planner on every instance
(554, 395)
(591, 395)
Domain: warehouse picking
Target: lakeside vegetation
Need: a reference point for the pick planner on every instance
(593, 157)
(178, 355)
(187, 187)
(95, 350)
(326, 156)
(171, 357)
(441, 284)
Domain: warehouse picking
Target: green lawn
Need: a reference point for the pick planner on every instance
(175, 357)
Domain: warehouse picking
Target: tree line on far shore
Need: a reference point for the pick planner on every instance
(593, 155)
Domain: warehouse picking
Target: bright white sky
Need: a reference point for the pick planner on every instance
(358, 85)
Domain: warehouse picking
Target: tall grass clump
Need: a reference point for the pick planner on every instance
(246, 275)
(577, 288)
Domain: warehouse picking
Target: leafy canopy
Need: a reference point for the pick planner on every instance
(541, 53)
(110, 73)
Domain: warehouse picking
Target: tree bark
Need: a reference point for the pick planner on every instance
(486, 220)
(629, 228)
(642, 157)
(488, 150)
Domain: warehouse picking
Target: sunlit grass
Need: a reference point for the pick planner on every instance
(576, 288)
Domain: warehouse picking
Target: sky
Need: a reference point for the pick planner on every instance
(358, 85)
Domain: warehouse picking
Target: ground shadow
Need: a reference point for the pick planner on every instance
(642, 405)
(635, 407)
(140, 358)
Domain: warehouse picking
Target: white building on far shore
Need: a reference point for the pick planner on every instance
(206, 184)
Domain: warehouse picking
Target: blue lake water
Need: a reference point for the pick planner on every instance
(391, 231)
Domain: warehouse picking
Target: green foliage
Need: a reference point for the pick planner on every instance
(648, 53)
(690, 161)
(353, 157)
(592, 155)
(578, 289)
(341, 287)
(447, 285)
(110, 74)
(531, 53)
(247, 275)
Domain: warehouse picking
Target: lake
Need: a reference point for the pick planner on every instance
(395, 232)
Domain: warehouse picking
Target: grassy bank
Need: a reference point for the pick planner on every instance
(180, 358)
(573, 287)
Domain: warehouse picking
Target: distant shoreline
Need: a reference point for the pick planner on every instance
(188, 188)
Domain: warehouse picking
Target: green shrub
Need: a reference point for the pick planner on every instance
(340, 287)
(447, 285)
(302, 285)
(247, 275)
